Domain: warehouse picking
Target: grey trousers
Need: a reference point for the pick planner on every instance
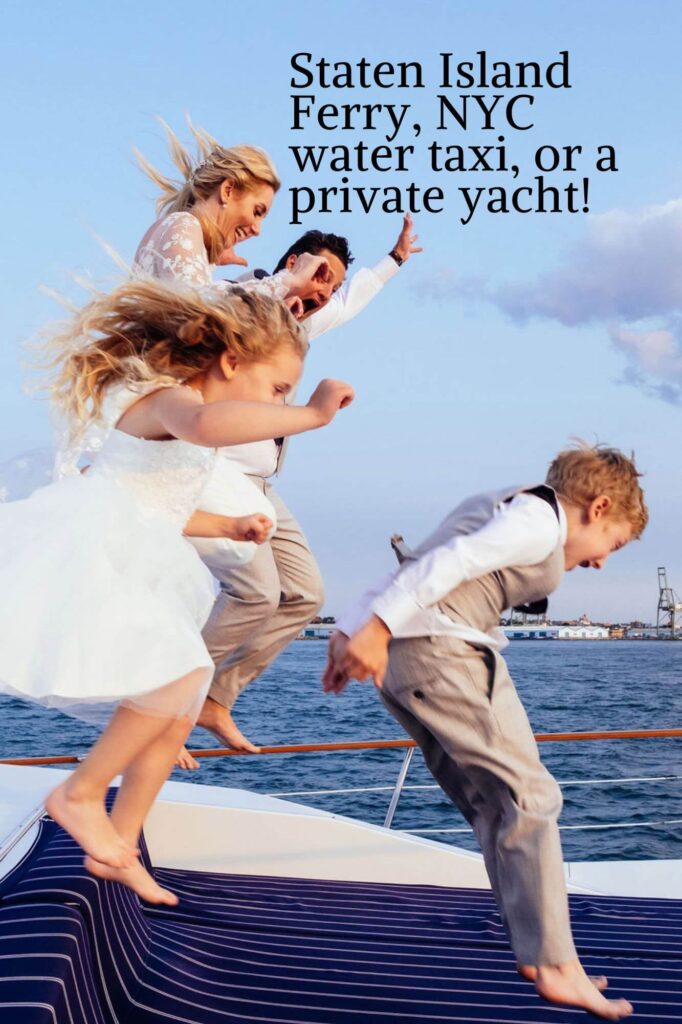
(460, 705)
(262, 605)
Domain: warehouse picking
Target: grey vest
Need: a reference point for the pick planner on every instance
(479, 603)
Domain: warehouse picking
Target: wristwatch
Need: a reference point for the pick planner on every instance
(397, 257)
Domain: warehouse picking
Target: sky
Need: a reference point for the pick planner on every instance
(506, 337)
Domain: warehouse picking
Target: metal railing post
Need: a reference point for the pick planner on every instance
(400, 782)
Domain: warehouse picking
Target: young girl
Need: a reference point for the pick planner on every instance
(102, 601)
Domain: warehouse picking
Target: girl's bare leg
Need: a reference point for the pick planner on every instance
(141, 783)
(78, 803)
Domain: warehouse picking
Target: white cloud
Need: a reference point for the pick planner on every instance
(628, 266)
(654, 360)
(627, 270)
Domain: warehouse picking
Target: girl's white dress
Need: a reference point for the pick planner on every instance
(102, 599)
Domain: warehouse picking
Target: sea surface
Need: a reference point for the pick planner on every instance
(565, 685)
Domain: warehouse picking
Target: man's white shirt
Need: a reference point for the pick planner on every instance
(261, 458)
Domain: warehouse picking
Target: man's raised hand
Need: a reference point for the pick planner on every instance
(405, 246)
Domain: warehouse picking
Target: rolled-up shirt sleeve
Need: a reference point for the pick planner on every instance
(522, 532)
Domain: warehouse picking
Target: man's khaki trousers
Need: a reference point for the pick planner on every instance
(262, 605)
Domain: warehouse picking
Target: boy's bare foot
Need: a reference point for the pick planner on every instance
(185, 760)
(569, 985)
(136, 878)
(86, 821)
(530, 974)
(218, 720)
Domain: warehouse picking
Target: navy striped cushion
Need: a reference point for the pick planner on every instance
(261, 949)
(119, 933)
(46, 972)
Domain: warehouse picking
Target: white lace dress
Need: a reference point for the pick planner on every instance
(102, 599)
(174, 249)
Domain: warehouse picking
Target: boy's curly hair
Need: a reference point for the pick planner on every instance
(585, 471)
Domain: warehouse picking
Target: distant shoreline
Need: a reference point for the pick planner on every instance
(560, 639)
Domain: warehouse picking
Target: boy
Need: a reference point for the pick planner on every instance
(443, 679)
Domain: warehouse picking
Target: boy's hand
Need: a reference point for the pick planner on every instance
(405, 246)
(366, 654)
(334, 679)
(255, 528)
(328, 397)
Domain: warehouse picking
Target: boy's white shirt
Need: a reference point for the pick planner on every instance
(264, 458)
(523, 531)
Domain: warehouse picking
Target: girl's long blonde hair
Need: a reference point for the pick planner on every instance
(246, 167)
(148, 332)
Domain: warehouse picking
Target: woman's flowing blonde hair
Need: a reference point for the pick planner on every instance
(148, 332)
(246, 167)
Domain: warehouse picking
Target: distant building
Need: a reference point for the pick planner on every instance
(525, 631)
(315, 633)
(582, 632)
(555, 631)
(640, 632)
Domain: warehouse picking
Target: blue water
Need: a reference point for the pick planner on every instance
(566, 686)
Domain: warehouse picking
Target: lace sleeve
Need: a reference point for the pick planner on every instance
(174, 249)
(277, 286)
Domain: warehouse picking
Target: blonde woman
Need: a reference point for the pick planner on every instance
(221, 201)
(102, 600)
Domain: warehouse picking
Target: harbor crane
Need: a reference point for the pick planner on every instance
(668, 605)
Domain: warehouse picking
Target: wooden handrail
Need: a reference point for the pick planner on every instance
(310, 748)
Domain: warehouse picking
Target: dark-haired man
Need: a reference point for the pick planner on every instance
(329, 281)
(264, 604)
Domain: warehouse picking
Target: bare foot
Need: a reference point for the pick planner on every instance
(136, 878)
(218, 720)
(185, 760)
(530, 974)
(87, 822)
(569, 985)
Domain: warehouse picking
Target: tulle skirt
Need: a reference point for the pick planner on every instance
(100, 604)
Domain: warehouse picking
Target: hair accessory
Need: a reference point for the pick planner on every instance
(192, 176)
